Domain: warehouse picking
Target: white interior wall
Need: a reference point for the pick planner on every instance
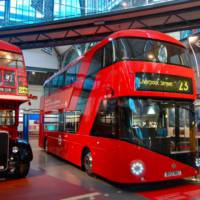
(39, 58)
(35, 90)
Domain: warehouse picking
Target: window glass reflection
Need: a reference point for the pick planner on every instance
(36, 11)
(161, 125)
(9, 78)
(151, 51)
(51, 122)
(12, 60)
(7, 117)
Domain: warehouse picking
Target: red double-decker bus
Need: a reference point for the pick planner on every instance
(15, 154)
(124, 110)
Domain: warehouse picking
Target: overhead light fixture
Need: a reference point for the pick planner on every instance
(33, 72)
(151, 56)
(8, 56)
(193, 39)
(110, 39)
(151, 111)
(125, 4)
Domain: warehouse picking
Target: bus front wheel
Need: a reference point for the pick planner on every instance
(87, 162)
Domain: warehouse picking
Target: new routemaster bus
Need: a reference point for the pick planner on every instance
(124, 110)
(15, 154)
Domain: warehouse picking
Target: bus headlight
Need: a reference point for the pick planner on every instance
(15, 149)
(197, 162)
(137, 168)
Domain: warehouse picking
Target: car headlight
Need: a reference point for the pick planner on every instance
(197, 162)
(137, 168)
(15, 149)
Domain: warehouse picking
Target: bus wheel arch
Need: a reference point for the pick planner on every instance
(86, 161)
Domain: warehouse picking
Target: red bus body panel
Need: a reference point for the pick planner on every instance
(9, 47)
(12, 100)
(111, 157)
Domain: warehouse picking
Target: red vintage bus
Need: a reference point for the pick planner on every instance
(124, 110)
(15, 154)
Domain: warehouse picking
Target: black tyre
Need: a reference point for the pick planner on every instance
(22, 170)
(46, 145)
(87, 162)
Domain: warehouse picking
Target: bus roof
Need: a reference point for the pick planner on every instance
(137, 33)
(9, 47)
(144, 33)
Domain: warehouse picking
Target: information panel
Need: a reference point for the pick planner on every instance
(163, 83)
(23, 90)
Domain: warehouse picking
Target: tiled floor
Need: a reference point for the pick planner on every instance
(53, 179)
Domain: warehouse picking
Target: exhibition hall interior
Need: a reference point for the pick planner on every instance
(99, 99)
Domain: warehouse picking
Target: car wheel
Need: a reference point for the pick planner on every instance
(46, 145)
(87, 162)
(22, 170)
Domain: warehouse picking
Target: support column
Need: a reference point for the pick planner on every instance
(7, 11)
(82, 5)
(25, 127)
(48, 10)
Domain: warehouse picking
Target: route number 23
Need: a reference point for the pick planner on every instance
(183, 86)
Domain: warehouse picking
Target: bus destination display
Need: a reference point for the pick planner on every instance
(163, 83)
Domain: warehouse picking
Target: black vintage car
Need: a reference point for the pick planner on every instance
(15, 156)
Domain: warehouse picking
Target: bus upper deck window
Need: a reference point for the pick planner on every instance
(162, 54)
(9, 59)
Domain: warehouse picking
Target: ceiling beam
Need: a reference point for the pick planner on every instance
(168, 17)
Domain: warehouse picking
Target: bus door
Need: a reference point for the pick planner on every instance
(104, 131)
(179, 128)
(71, 145)
(62, 136)
(197, 114)
(51, 130)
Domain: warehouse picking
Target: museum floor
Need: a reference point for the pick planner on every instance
(51, 178)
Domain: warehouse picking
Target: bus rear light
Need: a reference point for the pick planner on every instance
(137, 168)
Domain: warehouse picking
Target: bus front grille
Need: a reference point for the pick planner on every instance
(4, 149)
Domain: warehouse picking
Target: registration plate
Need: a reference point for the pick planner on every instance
(172, 173)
